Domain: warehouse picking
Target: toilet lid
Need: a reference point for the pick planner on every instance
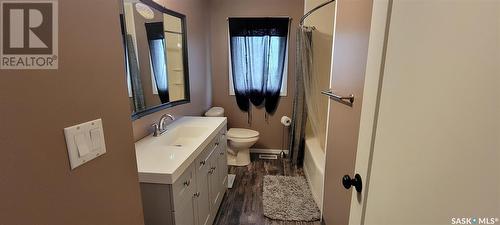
(242, 133)
(215, 111)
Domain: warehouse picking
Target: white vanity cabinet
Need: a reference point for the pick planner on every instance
(195, 196)
(211, 179)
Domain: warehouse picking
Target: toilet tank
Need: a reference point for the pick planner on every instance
(215, 112)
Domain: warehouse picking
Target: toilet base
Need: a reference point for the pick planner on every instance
(242, 158)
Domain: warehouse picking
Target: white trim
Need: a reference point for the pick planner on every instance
(267, 151)
(153, 78)
(284, 82)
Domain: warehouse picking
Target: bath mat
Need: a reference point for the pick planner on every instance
(230, 180)
(289, 198)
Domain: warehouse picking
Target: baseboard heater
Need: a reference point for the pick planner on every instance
(267, 156)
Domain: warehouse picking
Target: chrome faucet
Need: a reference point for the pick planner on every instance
(160, 128)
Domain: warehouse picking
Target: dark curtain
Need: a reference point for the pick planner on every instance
(299, 118)
(156, 41)
(135, 77)
(258, 51)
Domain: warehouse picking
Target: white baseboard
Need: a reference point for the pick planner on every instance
(267, 151)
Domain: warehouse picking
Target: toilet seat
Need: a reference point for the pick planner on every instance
(241, 133)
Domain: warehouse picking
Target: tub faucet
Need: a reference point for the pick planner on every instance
(161, 127)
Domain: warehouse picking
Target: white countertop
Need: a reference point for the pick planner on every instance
(164, 158)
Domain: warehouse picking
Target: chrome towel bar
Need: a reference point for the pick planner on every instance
(342, 99)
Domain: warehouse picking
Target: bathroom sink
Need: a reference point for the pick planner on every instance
(164, 158)
(185, 135)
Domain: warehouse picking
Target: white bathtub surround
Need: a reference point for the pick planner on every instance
(314, 168)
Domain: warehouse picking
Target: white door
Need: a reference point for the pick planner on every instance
(429, 146)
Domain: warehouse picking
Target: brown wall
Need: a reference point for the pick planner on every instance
(36, 183)
(199, 69)
(271, 131)
(352, 33)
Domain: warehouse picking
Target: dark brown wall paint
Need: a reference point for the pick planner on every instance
(36, 183)
(271, 130)
(198, 28)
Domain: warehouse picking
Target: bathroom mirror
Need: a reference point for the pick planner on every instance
(155, 56)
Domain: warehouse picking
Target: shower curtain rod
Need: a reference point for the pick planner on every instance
(312, 10)
(236, 17)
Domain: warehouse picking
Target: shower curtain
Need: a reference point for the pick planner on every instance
(306, 105)
(135, 78)
(304, 63)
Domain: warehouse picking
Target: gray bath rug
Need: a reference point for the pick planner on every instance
(289, 198)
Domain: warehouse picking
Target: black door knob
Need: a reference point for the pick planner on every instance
(356, 182)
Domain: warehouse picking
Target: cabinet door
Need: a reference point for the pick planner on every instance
(214, 186)
(202, 194)
(222, 167)
(185, 215)
(183, 191)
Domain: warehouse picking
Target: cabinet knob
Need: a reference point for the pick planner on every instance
(197, 194)
(203, 162)
(187, 183)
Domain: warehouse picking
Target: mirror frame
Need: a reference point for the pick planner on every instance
(187, 99)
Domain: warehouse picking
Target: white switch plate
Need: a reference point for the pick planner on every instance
(85, 142)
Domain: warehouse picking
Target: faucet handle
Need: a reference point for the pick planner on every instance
(156, 129)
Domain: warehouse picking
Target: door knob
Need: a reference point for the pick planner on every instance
(356, 182)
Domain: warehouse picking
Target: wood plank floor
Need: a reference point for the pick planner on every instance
(243, 203)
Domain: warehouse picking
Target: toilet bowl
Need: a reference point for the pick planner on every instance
(239, 141)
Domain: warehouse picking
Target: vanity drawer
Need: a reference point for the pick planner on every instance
(201, 160)
(222, 133)
(183, 189)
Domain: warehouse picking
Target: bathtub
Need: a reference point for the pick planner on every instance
(314, 168)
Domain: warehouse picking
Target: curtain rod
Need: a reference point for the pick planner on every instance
(290, 18)
(312, 10)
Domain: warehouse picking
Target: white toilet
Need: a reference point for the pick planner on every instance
(239, 141)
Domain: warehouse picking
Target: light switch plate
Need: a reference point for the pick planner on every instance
(85, 142)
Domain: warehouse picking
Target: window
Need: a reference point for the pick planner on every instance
(258, 60)
(156, 42)
(284, 88)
